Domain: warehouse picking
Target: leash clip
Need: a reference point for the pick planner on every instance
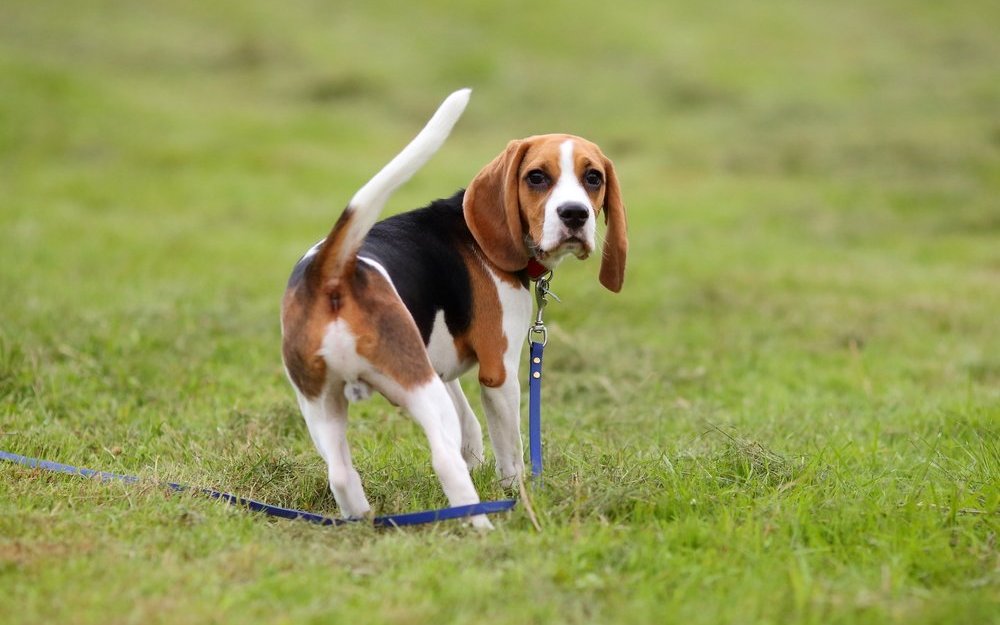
(542, 291)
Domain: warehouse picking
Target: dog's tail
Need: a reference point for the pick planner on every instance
(337, 252)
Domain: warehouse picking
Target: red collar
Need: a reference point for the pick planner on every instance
(535, 269)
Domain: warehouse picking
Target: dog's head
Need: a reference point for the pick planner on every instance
(540, 198)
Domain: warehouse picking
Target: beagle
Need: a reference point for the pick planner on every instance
(406, 305)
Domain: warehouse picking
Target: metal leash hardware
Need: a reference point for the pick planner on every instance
(542, 290)
(537, 330)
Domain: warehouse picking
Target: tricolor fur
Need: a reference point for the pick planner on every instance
(407, 305)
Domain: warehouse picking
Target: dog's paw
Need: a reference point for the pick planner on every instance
(473, 456)
(510, 476)
(480, 523)
(361, 513)
(357, 391)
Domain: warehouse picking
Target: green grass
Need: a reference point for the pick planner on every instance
(791, 413)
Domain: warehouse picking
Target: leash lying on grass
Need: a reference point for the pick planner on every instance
(391, 520)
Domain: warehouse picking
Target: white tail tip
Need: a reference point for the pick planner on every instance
(415, 155)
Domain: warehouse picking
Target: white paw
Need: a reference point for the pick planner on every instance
(510, 476)
(473, 456)
(481, 523)
(357, 515)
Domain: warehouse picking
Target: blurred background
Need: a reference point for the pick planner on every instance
(804, 180)
(791, 409)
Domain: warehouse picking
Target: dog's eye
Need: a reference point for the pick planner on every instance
(593, 179)
(537, 178)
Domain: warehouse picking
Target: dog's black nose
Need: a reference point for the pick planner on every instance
(573, 214)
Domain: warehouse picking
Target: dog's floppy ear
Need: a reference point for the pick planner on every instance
(493, 211)
(616, 239)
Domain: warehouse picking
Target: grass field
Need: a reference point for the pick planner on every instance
(790, 415)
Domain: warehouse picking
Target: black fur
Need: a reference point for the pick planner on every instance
(420, 251)
(299, 270)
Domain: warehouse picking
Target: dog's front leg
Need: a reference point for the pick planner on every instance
(502, 405)
(502, 402)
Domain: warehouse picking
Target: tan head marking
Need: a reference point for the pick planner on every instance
(540, 198)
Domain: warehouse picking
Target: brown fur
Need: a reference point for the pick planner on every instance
(303, 323)
(616, 239)
(493, 211)
(501, 209)
(484, 340)
(385, 333)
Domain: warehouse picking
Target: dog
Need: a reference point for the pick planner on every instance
(407, 305)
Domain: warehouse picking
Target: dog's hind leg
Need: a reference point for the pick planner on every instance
(326, 417)
(432, 407)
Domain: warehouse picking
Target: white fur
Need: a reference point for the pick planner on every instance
(339, 351)
(377, 266)
(441, 349)
(503, 403)
(432, 405)
(472, 432)
(326, 418)
(369, 200)
(314, 249)
(566, 189)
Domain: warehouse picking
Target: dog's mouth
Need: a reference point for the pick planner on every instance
(571, 245)
(575, 246)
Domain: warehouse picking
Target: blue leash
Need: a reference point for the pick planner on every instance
(538, 336)
(535, 408)
(391, 520)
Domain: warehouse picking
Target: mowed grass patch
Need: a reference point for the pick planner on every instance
(790, 414)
